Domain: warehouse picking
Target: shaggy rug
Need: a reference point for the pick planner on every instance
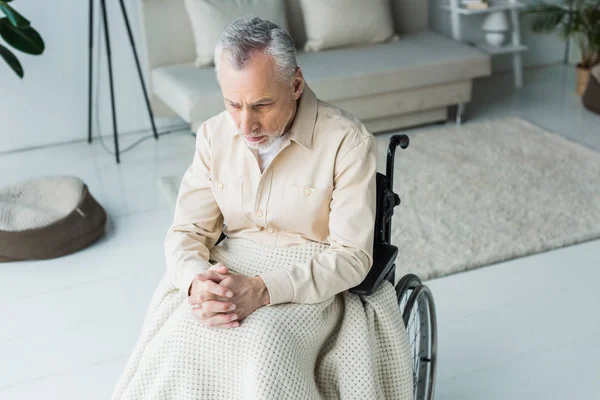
(485, 192)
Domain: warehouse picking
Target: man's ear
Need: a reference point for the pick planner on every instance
(298, 83)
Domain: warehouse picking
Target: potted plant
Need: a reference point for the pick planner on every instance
(17, 32)
(572, 19)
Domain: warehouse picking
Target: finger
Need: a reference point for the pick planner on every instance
(206, 276)
(219, 319)
(215, 288)
(201, 314)
(220, 268)
(233, 324)
(201, 296)
(210, 275)
(218, 306)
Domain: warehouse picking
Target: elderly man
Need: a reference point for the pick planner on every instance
(266, 314)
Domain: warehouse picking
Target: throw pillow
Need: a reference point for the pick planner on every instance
(209, 18)
(344, 23)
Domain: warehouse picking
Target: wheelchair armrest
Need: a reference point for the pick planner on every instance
(384, 256)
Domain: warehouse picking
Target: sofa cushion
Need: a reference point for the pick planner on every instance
(209, 18)
(416, 60)
(408, 16)
(346, 23)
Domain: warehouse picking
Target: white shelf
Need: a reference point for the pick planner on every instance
(514, 48)
(491, 8)
(507, 49)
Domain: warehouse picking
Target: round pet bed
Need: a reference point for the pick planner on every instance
(48, 217)
(591, 96)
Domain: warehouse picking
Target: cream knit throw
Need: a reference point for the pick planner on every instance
(348, 347)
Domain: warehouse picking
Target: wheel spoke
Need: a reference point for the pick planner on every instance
(416, 336)
(414, 330)
(404, 300)
(414, 316)
(418, 311)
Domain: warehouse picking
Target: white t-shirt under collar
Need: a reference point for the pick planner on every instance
(266, 155)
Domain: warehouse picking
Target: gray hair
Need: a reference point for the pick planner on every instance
(248, 34)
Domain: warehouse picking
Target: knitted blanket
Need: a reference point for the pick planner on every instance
(348, 347)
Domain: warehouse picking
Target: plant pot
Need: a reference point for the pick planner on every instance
(583, 76)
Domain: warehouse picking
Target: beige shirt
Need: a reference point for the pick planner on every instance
(319, 187)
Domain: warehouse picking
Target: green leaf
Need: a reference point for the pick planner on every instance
(14, 17)
(546, 23)
(11, 60)
(25, 39)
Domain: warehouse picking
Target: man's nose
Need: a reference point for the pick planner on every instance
(248, 123)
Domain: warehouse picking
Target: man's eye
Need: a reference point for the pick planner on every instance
(263, 105)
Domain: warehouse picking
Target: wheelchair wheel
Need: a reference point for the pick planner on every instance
(418, 312)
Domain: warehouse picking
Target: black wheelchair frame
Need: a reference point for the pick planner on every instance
(414, 299)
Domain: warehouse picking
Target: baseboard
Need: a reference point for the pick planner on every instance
(396, 122)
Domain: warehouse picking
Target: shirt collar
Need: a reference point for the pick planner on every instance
(303, 127)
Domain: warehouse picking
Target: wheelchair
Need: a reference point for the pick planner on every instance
(414, 299)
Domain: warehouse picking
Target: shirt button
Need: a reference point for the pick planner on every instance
(259, 213)
(271, 230)
(221, 185)
(307, 191)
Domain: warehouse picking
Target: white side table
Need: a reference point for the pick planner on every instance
(515, 47)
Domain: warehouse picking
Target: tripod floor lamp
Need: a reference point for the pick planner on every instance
(110, 73)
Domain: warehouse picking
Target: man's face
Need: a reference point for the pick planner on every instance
(261, 106)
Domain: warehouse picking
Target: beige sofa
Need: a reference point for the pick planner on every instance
(388, 86)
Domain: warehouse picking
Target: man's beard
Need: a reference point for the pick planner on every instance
(271, 137)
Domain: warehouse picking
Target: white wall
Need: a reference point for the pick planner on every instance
(50, 104)
(544, 49)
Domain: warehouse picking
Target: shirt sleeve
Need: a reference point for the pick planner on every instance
(198, 221)
(347, 261)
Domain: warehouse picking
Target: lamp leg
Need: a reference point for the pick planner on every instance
(90, 51)
(137, 63)
(110, 79)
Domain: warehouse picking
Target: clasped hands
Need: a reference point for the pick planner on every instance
(223, 299)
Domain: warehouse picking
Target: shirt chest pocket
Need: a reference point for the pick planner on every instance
(229, 197)
(305, 210)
